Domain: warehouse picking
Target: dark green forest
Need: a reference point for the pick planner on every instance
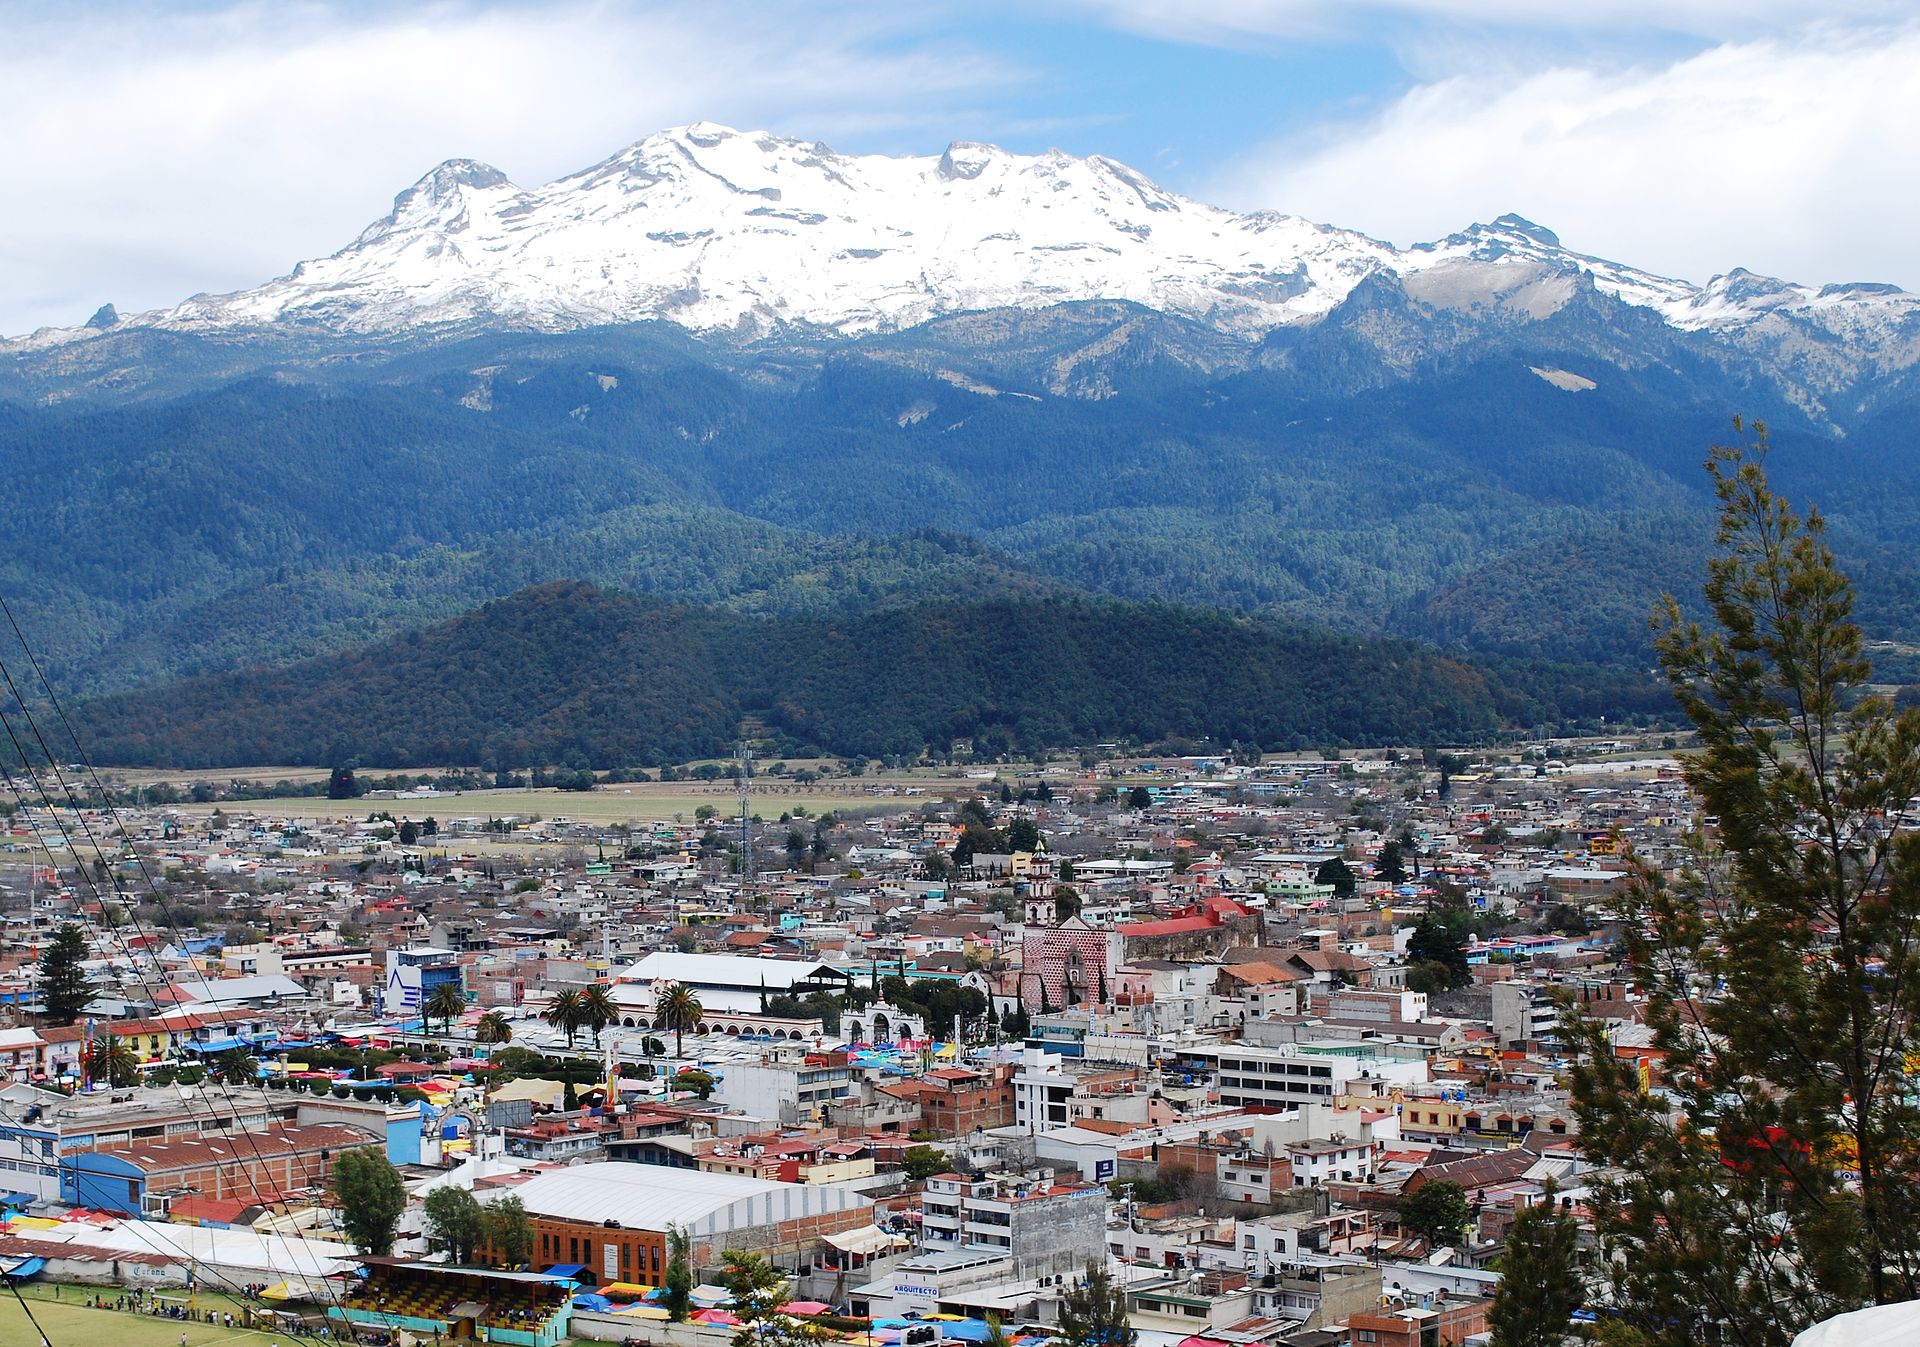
(185, 506)
(569, 674)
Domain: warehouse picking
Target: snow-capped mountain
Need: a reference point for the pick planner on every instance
(719, 230)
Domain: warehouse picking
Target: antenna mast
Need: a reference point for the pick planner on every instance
(746, 815)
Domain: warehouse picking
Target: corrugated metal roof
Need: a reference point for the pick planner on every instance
(649, 1197)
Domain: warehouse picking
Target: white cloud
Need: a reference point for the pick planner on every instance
(150, 154)
(1226, 22)
(1791, 155)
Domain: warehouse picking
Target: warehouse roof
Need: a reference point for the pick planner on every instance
(649, 1197)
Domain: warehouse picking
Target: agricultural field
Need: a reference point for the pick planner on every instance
(638, 802)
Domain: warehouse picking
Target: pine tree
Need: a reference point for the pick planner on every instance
(1540, 1285)
(64, 991)
(1772, 1182)
(1094, 1314)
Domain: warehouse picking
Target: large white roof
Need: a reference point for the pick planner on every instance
(650, 1197)
(724, 970)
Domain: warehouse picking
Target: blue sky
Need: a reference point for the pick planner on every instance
(155, 150)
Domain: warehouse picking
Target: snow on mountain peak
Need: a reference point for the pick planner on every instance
(719, 229)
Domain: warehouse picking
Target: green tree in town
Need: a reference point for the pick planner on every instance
(679, 1009)
(1390, 866)
(64, 990)
(1023, 835)
(699, 1082)
(1094, 1313)
(493, 1027)
(454, 1222)
(1338, 873)
(370, 1197)
(1776, 1179)
(566, 1015)
(597, 1010)
(508, 1231)
(1440, 941)
(1066, 902)
(1540, 1284)
(1139, 798)
(109, 1059)
(237, 1066)
(445, 1003)
(679, 1280)
(1437, 1210)
(758, 1289)
(923, 1162)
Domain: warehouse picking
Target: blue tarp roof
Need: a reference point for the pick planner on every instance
(219, 1045)
(565, 1270)
(25, 1268)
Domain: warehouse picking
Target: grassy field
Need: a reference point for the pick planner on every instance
(637, 802)
(69, 1323)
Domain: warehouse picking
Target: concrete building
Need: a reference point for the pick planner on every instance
(1042, 1091)
(1043, 1226)
(1523, 1014)
(1296, 1073)
(789, 1089)
(414, 974)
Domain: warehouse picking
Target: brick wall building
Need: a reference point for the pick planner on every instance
(261, 1166)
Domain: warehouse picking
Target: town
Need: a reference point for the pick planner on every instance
(1251, 1049)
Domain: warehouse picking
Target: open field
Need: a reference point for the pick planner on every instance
(67, 1322)
(639, 802)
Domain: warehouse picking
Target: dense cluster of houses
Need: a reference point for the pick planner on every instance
(1189, 1030)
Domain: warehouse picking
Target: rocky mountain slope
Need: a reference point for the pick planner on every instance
(749, 234)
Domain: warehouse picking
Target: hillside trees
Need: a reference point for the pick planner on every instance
(1776, 1181)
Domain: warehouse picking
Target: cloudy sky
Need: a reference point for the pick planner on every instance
(155, 150)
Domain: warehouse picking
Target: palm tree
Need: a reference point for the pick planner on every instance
(566, 1014)
(447, 1004)
(680, 1009)
(111, 1060)
(493, 1028)
(237, 1066)
(597, 1010)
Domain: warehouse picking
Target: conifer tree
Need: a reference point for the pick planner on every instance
(1094, 1314)
(1772, 1182)
(64, 991)
(1540, 1284)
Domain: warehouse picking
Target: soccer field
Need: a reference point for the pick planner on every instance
(70, 1324)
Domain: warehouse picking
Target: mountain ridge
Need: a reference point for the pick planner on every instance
(750, 234)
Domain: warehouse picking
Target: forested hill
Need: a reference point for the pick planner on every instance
(569, 674)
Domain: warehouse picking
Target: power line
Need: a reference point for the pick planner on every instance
(146, 876)
(133, 960)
